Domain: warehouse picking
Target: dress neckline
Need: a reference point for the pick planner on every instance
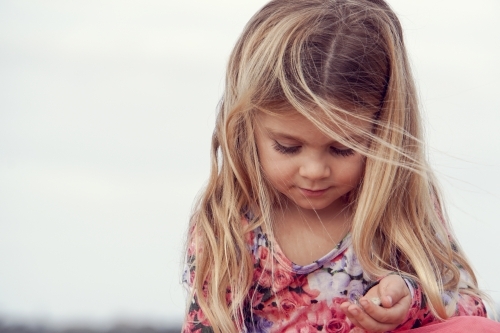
(308, 268)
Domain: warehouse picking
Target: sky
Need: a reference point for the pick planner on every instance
(106, 113)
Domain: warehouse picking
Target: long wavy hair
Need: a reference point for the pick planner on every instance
(329, 60)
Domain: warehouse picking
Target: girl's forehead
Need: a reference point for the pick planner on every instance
(288, 121)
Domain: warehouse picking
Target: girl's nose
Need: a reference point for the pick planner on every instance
(315, 169)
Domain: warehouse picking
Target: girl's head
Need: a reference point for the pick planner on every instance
(340, 64)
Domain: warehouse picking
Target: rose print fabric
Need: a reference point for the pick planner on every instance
(286, 297)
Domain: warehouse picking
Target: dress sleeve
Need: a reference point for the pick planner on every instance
(195, 320)
(420, 314)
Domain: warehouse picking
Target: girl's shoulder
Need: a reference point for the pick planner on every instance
(253, 234)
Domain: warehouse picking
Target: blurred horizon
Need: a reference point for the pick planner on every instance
(106, 115)
(119, 327)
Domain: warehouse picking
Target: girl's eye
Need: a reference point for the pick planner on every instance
(342, 152)
(284, 149)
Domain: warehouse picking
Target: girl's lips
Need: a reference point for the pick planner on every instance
(313, 193)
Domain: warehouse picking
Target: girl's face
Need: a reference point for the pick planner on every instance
(305, 165)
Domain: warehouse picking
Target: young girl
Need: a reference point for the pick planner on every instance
(321, 213)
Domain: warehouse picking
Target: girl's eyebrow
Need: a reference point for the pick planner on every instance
(283, 135)
(280, 135)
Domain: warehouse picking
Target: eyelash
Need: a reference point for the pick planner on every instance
(286, 150)
(342, 152)
(295, 149)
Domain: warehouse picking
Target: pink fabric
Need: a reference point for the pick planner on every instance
(462, 324)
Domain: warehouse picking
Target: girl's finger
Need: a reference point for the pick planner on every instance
(392, 289)
(363, 320)
(392, 315)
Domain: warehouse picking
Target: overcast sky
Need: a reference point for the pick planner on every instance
(106, 112)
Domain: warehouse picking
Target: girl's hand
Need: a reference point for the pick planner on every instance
(395, 299)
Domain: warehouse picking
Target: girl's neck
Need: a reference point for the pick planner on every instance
(306, 235)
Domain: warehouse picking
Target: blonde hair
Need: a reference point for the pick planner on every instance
(329, 60)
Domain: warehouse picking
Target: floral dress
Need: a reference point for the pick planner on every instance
(286, 297)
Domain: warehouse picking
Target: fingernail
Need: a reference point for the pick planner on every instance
(364, 303)
(389, 298)
(355, 311)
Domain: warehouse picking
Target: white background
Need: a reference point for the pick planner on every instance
(106, 112)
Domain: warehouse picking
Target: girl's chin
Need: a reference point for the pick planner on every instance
(319, 206)
(312, 204)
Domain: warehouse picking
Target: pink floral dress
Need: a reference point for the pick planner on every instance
(286, 297)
